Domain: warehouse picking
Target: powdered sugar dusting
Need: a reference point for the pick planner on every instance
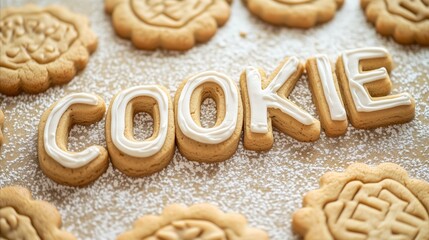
(265, 187)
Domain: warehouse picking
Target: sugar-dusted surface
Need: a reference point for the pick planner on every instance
(266, 187)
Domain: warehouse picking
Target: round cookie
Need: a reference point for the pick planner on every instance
(141, 158)
(21, 217)
(294, 13)
(407, 21)
(59, 164)
(1, 127)
(365, 203)
(167, 24)
(200, 221)
(42, 47)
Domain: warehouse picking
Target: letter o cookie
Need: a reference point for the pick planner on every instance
(62, 166)
(213, 144)
(141, 158)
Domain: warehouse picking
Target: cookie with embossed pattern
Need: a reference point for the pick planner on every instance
(22, 217)
(168, 24)
(366, 203)
(1, 127)
(198, 222)
(294, 13)
(41, 47)
(407, 21)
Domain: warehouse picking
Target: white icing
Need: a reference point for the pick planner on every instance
(336, 108)
(216, 134)
(262, 99)
(130, 147)
(68, 159)
(357, 79)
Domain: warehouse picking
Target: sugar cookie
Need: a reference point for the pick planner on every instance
(62, 166)
(294, 13)
(141, 158)
(365, 203)
(168, 24)
(1, 127)
(42, 47)
(406, 20)
(326, 95)
(364, 79)
(200, 221)
(266, 104)
(21, 217)
(214, 144)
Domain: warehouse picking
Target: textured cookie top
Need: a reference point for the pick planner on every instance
(294, 13)
(201, 221)
(169, 24)
(406, 20)
(41, 47)
(366, 203)
(21, 217)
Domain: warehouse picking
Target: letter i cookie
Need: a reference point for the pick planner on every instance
(213, 144)
(1, 127)
(326, 95)
(140, 158)
(266, 104)
(365, 82)
(59, 164)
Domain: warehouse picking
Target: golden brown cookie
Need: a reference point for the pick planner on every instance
(168, 24)
(407, 21)
(326, 95)
(21, 217)
(366, 203)
(41, 47)
(141, 158)
(59, 164)
(219, 142)
(201, 221)
(294, 13)
(363, 75)
(1, 127)
(266, 105)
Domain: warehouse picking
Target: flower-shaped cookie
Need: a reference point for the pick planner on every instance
(201, 221)
(294, 13)
(40, 47)
(366, 203)
(406, 20)
(1, 127)
(168, 24)
(21, 217)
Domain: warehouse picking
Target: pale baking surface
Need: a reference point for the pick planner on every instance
(265, 187)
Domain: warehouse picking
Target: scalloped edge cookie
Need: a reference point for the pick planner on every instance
(44, 216)
(200, 29)
(310, 221)
(1, 127)
(298, 15)
(402, 30)
(234, 225)
(36, 78)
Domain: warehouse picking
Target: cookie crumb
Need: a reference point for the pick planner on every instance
(243, 34)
